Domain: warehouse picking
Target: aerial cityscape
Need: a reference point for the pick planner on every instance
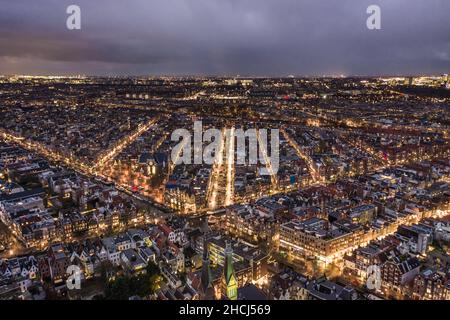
(358, 207)
(189, 151)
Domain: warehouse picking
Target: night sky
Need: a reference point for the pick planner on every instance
(225, 37)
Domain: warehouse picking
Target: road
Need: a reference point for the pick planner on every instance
(122, 144)
(314, 173)
(216, 173)
(229, 189)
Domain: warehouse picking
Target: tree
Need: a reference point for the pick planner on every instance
(183, 277)
(141, 285)
(152, 269)
(106, 270)
(118, 289)
(155, 283)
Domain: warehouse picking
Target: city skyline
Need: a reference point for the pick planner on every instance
(172, 188)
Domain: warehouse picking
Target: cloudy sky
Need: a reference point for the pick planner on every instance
(225, 37)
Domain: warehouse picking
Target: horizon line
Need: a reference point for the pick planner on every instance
(222, 76)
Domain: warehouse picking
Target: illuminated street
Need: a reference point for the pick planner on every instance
(230, 142)
(217, 175)
(304, 156)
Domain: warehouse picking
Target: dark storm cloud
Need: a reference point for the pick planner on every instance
(225, 37)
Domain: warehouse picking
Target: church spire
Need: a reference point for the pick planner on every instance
(229, 276)
(207, 291)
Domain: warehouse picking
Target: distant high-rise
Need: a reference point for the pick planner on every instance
(409, 81)
(229, 282)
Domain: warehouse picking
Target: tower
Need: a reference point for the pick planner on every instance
(206, 290)
(229, 281)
